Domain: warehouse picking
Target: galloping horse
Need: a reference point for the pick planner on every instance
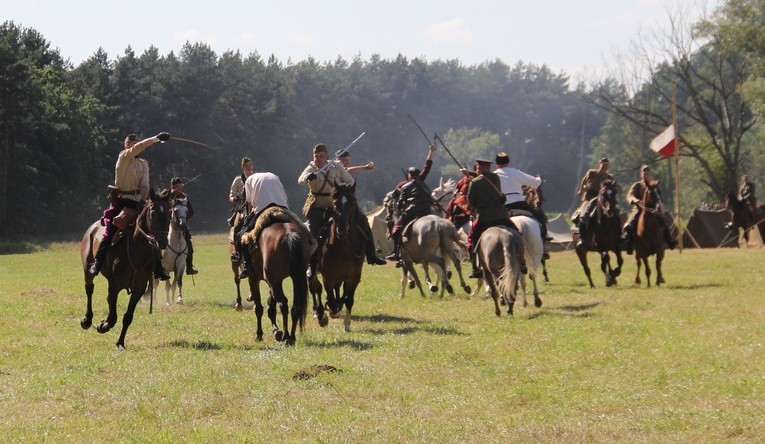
(743, 218)
(649, 238)
(129, 262)
(174, 256)
(341, 259)
(236, 221)
(498, 259)
(431, 240)
(533, 252)
(281, 251)
(604, 235)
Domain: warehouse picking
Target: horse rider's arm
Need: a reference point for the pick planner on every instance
(303, 178)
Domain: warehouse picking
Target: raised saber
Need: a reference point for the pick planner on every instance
(341, 152)
(181, 139)
(421, 130)
(435, 136)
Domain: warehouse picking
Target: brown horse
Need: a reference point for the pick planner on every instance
(129, 262)
(282, 251)
(341, 259)
(498, 259)
(649, 237)
(604, 235)
(743, 218)
(238, 217)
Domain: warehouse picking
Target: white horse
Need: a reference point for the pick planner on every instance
(533, 252)
(432, 240)
(174, 256)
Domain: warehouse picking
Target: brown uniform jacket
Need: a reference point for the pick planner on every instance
(485, 197)
(590, 186)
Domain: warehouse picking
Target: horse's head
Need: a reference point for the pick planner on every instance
(344, 207)
(178, 216)
(444, 192)
(652, 197)
(158, 217)
(607, 199)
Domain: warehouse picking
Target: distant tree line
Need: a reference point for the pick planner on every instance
(62, 126)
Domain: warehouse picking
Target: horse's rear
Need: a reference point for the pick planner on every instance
(283, 252)
(498, 259)
(533, 252)
(88, 247)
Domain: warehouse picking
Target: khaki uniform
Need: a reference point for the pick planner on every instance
(131, 174)
(590, 186)
(320, 190)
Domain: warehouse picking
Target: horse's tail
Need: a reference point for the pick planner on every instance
(508, 276)
(298, 267)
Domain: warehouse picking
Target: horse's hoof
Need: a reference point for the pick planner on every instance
(411, 285)
(433, 288)
(86, 323)
(660, 281)
(335, 314)
(537, 302)
(103, 327)
(238, 307)
(467, 289)
(450, 289)
(278, 335)
(449, 274)
(179, 301)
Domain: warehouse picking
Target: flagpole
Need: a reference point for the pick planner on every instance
(678, 219)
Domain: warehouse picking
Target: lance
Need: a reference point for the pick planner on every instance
(447, 150)
(192, 180)
(420, 128)
(181, 139)
(341, 152)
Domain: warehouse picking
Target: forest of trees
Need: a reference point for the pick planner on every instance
(62, 126)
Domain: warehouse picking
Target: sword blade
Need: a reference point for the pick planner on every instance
(182, 139)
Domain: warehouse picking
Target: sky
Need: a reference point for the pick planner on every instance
(576, 37)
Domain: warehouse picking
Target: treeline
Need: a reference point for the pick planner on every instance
(62, 126)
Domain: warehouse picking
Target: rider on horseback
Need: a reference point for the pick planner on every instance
(413, 200)
(588, 190)
(131, 187)
(237, 198)
(746, 193)
(178, 196)
(488, 204)
(635, 198)
(321, 178)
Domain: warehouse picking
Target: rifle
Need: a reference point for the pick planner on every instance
(431, 201)
(447, 150)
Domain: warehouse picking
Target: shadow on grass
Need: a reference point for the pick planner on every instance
(205, 345)
(355, 345)
(572, 311)
(386, 318)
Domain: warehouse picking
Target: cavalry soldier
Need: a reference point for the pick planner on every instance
(131, 187)
(237, 198)
(635, 198)
(412, 199)
(458, 211)
(513, 180)
(179, 197)
(746, 193)
(488, 204)
(321, 175)
(588, 190)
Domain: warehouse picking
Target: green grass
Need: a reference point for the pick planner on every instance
(680, 363)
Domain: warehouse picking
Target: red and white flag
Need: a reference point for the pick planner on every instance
(665, 143)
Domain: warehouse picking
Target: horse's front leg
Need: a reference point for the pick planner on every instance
(179, 282)
(319, 312)
(237, 280)
(255, 292)
(349, 294)
(127, 319)
(581, 253)
(659, 274)
(605, 267)
(111, 318)
(87, 321)
(408, 267)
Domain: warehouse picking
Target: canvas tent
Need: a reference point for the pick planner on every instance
(376, 219)
(706, 229)
(559, 231)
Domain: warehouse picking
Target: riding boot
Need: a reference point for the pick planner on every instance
(246, 270)
(582, 234)
(671, 241)
(396, 255)
(190, 257)
(477, 272)
(372, 257)
(627, 242)
(312, 263)
(100, 258)
(159, 270)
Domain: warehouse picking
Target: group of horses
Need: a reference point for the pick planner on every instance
(283, 251)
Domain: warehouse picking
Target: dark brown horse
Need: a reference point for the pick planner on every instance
(129, 262)
(282, 252)
(341, 259)
(743, 218)
(649, 237)
(237, 219)
(604, 235)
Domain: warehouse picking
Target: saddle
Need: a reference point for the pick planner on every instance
(513, 213)
(407, 231)
(270, 216)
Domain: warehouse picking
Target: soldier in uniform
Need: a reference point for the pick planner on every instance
(178, 196)
(488, 204)
(131, 186)
(237, 198)
(588, 190)
(746, 193)
(635, 198)
(320, 175)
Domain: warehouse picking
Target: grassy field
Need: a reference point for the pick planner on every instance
(680, 363)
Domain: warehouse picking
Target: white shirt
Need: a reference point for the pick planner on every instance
(264, 189)
(512, 181)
